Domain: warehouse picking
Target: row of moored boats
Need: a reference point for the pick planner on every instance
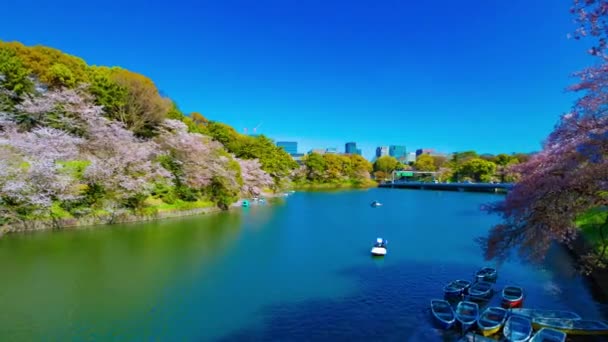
(464, 299)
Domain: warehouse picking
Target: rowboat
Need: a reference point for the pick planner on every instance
(512, 296)
(486, 274)
(573, 326)
(456, 288)
(473, 337)
(443, 313)
(467, 313)
(491, 320)
(517, 329)
(539, 313)
(480, 290)
(549, 335)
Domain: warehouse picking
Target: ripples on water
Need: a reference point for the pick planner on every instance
(299, 270)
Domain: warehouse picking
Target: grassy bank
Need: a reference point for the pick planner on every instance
(335, 185)
(594, 228)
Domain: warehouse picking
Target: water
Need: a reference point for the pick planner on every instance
(299, 269)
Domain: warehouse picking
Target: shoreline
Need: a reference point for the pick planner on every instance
(598, 278)
(119, 218)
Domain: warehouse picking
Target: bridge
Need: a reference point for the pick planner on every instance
(469, 187)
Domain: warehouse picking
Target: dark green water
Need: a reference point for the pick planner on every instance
(296, 270)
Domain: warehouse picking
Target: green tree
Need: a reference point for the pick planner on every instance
(386, 164)
(478, 169)
(425, 162)
(130, 98)
(13, 74)
(315, 166)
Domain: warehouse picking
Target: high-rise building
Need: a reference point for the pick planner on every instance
(350, 148)
(424, 151)
(290, 147)
(398, 151)
(411, 157)
(358, 151)
(317, 151)
(381, 151)
(331, 150)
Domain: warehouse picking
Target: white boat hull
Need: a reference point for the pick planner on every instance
(378, 251)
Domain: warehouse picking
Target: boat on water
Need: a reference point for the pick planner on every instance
(517, 329)
(456, 288)
(443, 313)
(245, 203)
(512, 296)
(489, 274)
(491, 320)
(481, 290)
(541, 313)
(376, 204)
(467, 314)
(379, 248)
(573, 326)
(549, 335)
(473, 337)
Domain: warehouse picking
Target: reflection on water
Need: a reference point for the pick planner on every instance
(295, 269)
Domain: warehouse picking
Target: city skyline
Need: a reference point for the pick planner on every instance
(372, 74)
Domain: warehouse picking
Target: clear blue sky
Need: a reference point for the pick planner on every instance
(449, 75)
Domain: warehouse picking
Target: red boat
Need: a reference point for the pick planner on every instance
(512, 297)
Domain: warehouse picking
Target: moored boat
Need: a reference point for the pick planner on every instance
(473, 337)
(491, 320)
(541, 313)
(517, 329)
(456, 288)
(480, 290)
(245, 203)
(487, 274)
(549, 335)
(379, 248)
(467, 313)
(443, 313)
(512, 296)
(573, 326)
(376, 204)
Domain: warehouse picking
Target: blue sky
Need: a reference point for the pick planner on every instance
(449, 75)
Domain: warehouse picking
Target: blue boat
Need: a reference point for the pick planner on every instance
(443, 313)
(518, 329)
(549, 335)
(467, 314)
(456, 288)
(487, 274)
(481, 290)
(245, 203)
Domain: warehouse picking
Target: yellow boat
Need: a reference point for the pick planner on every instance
(572, 327)
(491, 320)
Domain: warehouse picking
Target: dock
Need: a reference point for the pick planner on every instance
(468, 187)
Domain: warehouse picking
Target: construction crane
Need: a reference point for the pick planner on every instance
(254, 129)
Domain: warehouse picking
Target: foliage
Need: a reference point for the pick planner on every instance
(81, 140)
(14, 76)
(334, 169)
(477, 169)
(425, 162)
(51, 67)
(130, 98)
(386, 164)
(569, 177)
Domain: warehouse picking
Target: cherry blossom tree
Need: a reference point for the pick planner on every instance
(569, 177)
(254, 178)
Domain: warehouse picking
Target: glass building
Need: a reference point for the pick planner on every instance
(290, 147)
(398, 152)
(350, 148)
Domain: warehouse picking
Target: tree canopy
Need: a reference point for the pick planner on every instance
(568, 180)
